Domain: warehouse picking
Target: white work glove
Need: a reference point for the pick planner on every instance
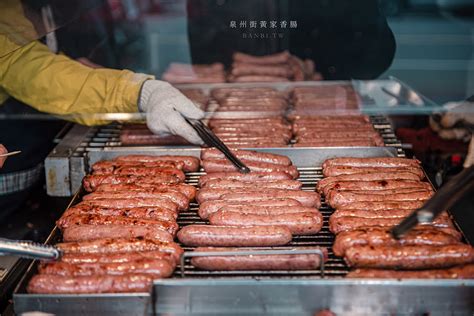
(455, 112)
(165, 107)
(3, 151)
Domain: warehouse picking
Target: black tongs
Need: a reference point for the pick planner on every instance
(443, 200)
(212, 140)
(28, 249)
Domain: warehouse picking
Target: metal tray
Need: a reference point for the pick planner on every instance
(307, 296)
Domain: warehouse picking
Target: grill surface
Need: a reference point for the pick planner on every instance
(334, 267)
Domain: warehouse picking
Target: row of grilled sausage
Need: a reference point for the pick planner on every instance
(371, 195)
(279, 67)
(264, 208)
(121, 236)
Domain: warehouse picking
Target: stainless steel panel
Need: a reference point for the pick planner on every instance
(57, 166)
(306, 297)
(85, 305)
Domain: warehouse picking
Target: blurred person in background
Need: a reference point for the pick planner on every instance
(346, 39)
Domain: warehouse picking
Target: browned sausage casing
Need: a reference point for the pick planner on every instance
(345, 198)
(386, 205)
(378, 236)
(92, 182)
(459, 272)
(380, 185)
(91, 219)
(132, 203)
(236, 184)
(372, 162)
(221, 165)
(257, 262)
(234, 236)
(156, 213)
(176, 197)
(298, 223)
(110, 166)
(56, 284)
(108, 245)
(248, 155)
(190, 163)
(333, 171)
(309, 199)
(116, 257)
(209, 207)
(339, 224)
(188, 190)
(409, 257)
(153, 267)
(91, 232)
(368, 176)
(248, 177)
(377, 214)
(268, 210)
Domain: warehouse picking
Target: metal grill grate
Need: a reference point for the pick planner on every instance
(334, 267)
(109, 136)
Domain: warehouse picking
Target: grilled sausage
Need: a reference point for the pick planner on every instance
(109, 166)
(337, 225)
(257, 262)
(380, 185)
(248, 156)
(386, 205)
(147, 172)
(298, 223)
(188, 190)
(132, 203)
(92, 182)
(117, 257)
(372, 162)
(409, 257)
(459, 272)
(236, 184)
(176, 197)
(248, 177)
(191, 164)
(309, 199)
(91, 219)
(278, 58)
(345, 198)
(376, 214)
(377, 236)
(234, 236)
(341, 143)
(221, 165)
(156, 213)
(156, 268)
(268, 210)
(56, 284)
(369, 176)
(333, 171)
(91, 232)
(107, 246)
(209, 207)
(245, 69)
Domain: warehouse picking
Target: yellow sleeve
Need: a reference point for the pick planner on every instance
(58, 85)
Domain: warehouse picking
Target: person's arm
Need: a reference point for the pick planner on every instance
(3, 151)
(58, 85)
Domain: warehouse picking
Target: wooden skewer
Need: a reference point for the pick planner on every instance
(12, 153)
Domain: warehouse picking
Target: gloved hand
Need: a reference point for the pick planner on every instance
(3, 150)
(165, 107)
(456, 122)
(449, 124)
